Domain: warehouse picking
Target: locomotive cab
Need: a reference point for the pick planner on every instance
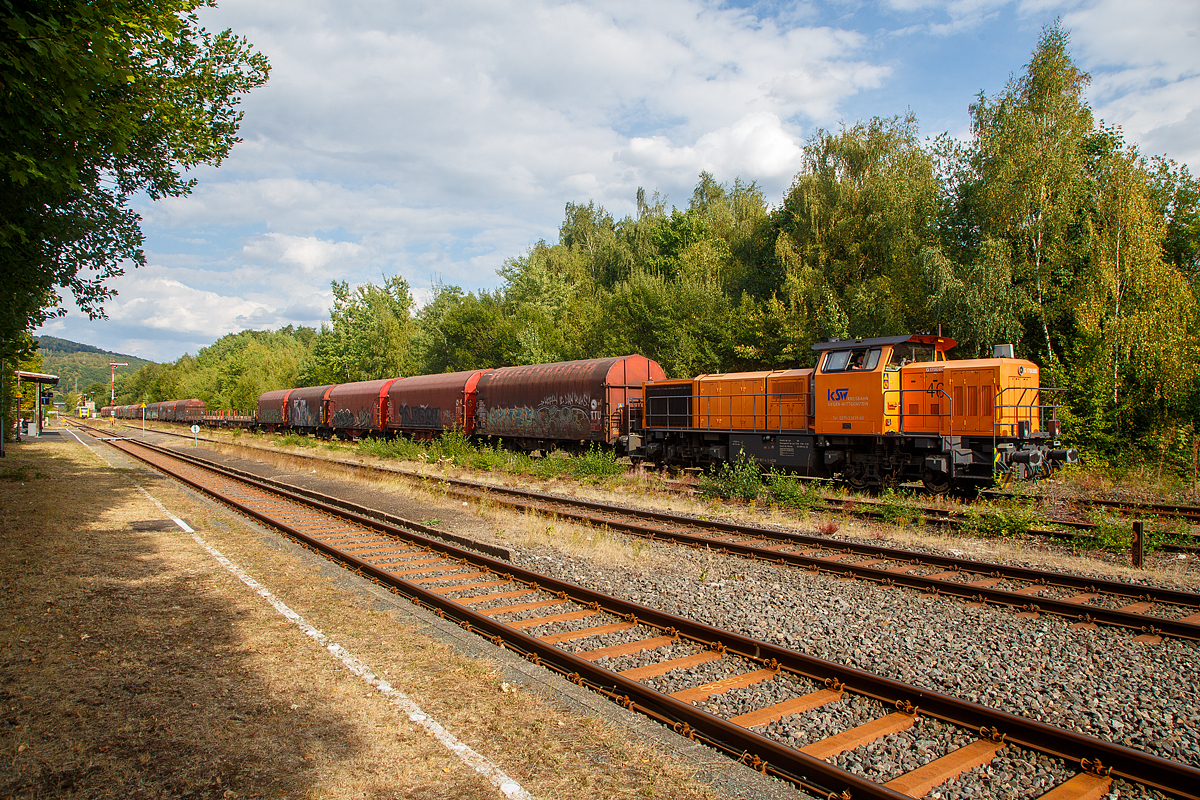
(894, 409)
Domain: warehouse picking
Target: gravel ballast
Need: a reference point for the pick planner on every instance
(1098, 682)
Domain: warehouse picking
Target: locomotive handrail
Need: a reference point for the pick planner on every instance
(672, 418)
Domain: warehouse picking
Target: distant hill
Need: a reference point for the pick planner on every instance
(71, 360)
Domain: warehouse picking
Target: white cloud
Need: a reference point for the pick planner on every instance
(313, 256)
(755, 145)
(1145, 65)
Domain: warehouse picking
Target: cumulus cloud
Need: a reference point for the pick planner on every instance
(312, 256)
(1145, 65)
(755, 145)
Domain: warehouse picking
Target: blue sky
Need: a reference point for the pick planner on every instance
(436, 140)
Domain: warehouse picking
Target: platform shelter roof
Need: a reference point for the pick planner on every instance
(37, 377)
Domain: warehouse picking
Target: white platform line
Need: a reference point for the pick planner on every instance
(507, 786)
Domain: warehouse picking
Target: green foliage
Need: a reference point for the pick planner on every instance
(738, 478)
(295, 440)
(369, 337)
(1000, 518)
(790, 492)
(597, 462)
(102, 99)
(1115, 537)
(899, 508)
(856, 219)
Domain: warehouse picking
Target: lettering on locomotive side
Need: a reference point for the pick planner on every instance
(842, 398)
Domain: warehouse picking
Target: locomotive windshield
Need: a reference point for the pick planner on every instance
(910, 352)
(860, 359)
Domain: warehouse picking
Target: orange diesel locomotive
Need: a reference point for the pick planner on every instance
(873, 412)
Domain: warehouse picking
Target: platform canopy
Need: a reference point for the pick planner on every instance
(38, 377)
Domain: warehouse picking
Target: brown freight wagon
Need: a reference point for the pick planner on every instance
(426, 405)
(306, 408)
(191, 410)
(272, 408)
(353, 409)
(565, 404)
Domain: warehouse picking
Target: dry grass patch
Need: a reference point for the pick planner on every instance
(135, 666)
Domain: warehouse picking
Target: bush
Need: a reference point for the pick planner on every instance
(740, 478)
(295, 440)
(790, 492)
(597, 462)
(400, 448)
(898, 509)
(1001, 518)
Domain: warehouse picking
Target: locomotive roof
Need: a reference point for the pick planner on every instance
(939, 342)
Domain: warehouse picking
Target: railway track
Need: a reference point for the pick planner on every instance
(585, 635)
(1148, 612)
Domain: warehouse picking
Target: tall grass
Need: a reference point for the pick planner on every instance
(1000, 518)
(453, 447)
(790, 492)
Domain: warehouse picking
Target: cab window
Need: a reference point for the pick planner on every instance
(862, 359)
(836, 360)
(908, 353)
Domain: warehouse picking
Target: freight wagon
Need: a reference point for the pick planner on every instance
(569, 404)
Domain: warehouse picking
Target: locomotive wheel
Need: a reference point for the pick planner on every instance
(935, 482)
(856, 476)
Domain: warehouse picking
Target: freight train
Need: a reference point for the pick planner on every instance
(872, 412)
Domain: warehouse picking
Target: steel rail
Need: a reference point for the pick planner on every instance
(1142, 623)
(948, 517)
(1180, 780)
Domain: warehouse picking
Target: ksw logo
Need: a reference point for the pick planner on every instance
(838, 394)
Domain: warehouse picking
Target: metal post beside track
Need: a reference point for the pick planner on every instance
(1139, 544)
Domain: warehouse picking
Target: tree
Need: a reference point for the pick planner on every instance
(102, 99)
(1136, 303)
(370, 334)
(1030, 158)
(854, 221)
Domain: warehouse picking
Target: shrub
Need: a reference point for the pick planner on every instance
(1113, 534)
(740, 478)
(897, 508)
(1001, 518)
(597, 462)
(295, 440)
(790, 492)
